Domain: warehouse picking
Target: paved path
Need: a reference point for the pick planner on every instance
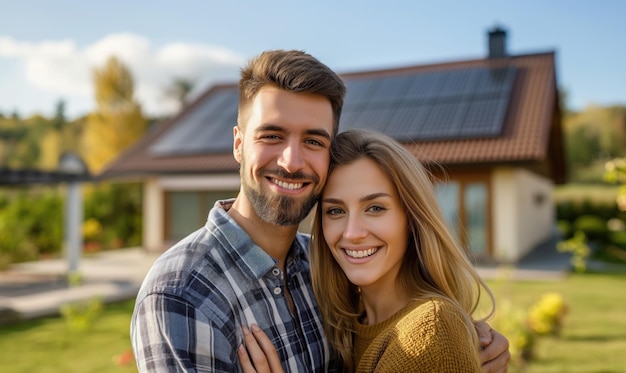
(36, 289)
(39, 288)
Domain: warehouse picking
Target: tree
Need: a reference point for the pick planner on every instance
(117, 122)
(49, 150)
(59, 115)
(616, 174)
(179, 91)
(602, 128)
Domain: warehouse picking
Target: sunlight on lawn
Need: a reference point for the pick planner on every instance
(49, 345)
(593, 336)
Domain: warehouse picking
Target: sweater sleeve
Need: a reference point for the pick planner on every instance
(431, 338)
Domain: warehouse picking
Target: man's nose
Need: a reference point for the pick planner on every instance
(291, 158)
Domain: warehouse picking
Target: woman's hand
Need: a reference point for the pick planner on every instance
(258, 354)
(494, 354)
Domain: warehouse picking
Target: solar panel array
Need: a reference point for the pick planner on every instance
(438, 105)
(205, 128)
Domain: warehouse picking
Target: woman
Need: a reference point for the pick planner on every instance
(395, 290)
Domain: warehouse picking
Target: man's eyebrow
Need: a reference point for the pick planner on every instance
(313, 132)
(319, 132)
(270, 127)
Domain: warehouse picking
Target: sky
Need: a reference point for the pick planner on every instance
(49, 49)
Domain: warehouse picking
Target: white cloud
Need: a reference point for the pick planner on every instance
(62, 68)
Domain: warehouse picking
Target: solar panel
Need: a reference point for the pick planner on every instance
(423, 86)
(406, 122)
(360, 91)
(388, 89)
(484, 117)
(374, 118)
(436, 105)
(205, 128)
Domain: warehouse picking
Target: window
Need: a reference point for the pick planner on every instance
(465, 207)
(448, 198)
(187, 211)
(475, 197)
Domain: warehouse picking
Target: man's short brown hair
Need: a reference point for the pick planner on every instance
(292, 71)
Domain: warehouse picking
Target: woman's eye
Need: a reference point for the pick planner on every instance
(376, 209)
(333, 211)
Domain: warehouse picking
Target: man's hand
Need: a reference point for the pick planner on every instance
(494, 353)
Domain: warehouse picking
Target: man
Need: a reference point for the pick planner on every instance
(248, 264)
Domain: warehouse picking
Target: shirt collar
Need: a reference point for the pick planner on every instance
(247, 255)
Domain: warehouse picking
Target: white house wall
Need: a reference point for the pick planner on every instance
(154, 201)
(153, 209)
(536, 208)
(523, 212)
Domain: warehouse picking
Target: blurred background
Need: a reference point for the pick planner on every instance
(93, 81)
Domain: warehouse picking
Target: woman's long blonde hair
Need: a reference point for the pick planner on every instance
(434, 265)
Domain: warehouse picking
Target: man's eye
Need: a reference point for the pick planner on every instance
(314, 142)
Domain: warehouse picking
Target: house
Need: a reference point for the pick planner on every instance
(489, 129)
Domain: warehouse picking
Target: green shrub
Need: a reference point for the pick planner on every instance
(45, 229)
(577, 246)
(118, 209)
(16, 244)
(593, 226)
(564, 228)
(80, 316)
(32, 219)
(31, 224)
(566, 211)
(511, 322)
(618, 239)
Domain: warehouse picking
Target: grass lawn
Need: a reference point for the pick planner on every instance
(593, 337)
(49, 345)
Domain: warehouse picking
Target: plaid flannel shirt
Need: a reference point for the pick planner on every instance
(194, 300)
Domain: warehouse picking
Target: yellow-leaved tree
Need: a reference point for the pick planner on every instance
(117, 122)
(616, 174)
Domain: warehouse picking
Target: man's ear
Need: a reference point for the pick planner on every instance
(237, 142)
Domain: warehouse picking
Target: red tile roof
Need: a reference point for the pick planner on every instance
(531, 131)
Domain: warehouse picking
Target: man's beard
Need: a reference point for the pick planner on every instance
(276, 209)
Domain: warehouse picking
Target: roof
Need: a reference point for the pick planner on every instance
(482, 111)
(25, 177)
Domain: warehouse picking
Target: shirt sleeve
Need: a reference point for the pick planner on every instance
(168, 334)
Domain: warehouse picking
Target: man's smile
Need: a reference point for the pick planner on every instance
(287, 185)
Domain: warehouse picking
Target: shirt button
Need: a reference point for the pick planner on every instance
(277, 291)
(276, 271)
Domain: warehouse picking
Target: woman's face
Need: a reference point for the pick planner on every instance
(364, 224)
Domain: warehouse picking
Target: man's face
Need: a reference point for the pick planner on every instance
(284, 154)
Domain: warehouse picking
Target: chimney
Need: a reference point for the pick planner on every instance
(497, 42)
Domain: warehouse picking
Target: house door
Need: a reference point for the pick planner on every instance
(466, 209)
(186, 211)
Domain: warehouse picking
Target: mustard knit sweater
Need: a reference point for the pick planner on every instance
(425, 336)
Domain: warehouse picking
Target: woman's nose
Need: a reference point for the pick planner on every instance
(354, 228)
